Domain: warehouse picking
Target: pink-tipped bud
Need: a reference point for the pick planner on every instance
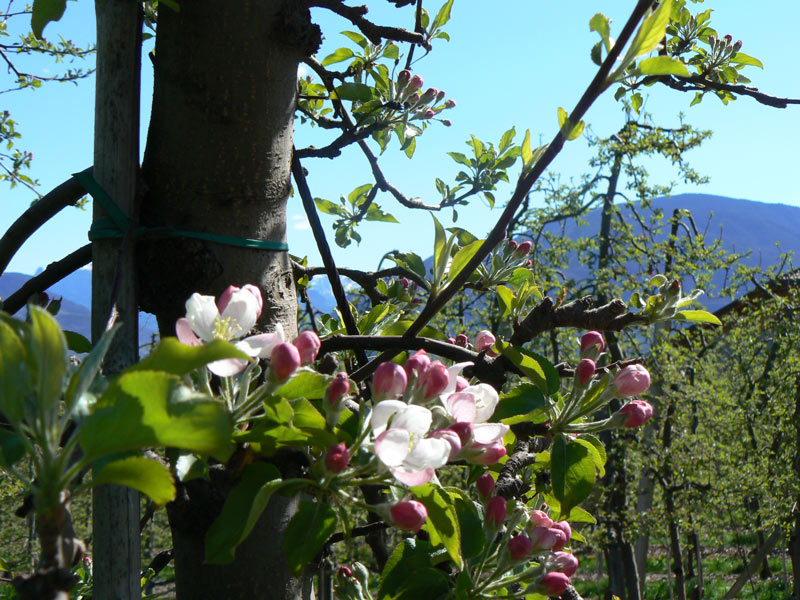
(308, 344)
(451, 437)
(418, 362)
(429, 95)
(511, 246)
(284, 360)
(592, 344)
(485, 484)
(450, 103)
(336, 458)
(429, 114)
(566, 563)
(389, 380)
(484, 340)
(565, 527)
(539, 518)
(414, 98)
(553, 584)
(520, 546)
(544, 538)
(524, 248)
(496, 511)
(462, 340)
(404, 283)
(631, 381)
(728, 38)
(463, 430)
(451, 340)
(584, 372)
(488, 454)
(440, 96)
(447, 122)
(637, 412)
(339, 387)
(434, 379)
(345, 571)
(403, 77)
(461, 383)
(409, 515)
(415, 83)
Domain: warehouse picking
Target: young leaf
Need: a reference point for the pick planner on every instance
(338, 56)
(45, 11)
(77, 343)
(442, 524)
(357, 38)
(176, 358)
(697, 316)
(462, 257)
(243, 507)
(147, 476)
(662, 65)
(520, 401)
(409, 574)
(307, 532)
(573, 473)
(443, 16)
(82, 380)
(354, 91)
(48, 349)
(306, 384)
(15, 379)
(651, 32)
(602, 25)
(740, 58)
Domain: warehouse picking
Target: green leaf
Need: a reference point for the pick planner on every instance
(48, 349)
(146, 409)
(90, 366)
(471, 527)
(307, 532)
(460, 158)
(354, 91)
(11, 448)
(506, 140)
(400, 327)
(568, 130)
(338, 56)
(573, 473)
(598, 456)
(409, 574)
(506, 296)
(374, 213)
(439, 258)
(176, 358)
(578, 515)
(442, 524)
(77, 343)
(328, 207)
(15, 379)
(740, 58)
(357, 38)
(462, 257)
(602, 25)
(45, 11)
(697, 316)
(520, 401)
(306, 384)
(534, 366)
(527, 153)
(243, 507)
(636, 101)
(147, 476)
(662, 65)
(651, 33)
(443, 16)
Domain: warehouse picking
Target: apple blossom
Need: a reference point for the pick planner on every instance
(524, 248)
(237, 313)
(409, 515)
(463, 430)
(434, 379)
(389, 381)
(451, 437)
(484, 340)
(336, 458)
(592, 344)
(636, 412)
(519, 546)
(474, 405)
(631, 381)
(486, 454)
(416, 363)
(565, 563)
(284, 360)
(339, 387)
(461, 383)
(308, 344)
(584, 372)
(544, 538)
(539, 518)
(485, 484)
(553, 584)
(496, 511)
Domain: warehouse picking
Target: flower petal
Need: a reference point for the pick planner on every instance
(202, 313)
(260, 345)
(486, 400)
(453, 373)
(488, 433)
(412, 478)
(462, 407)
(382, 412)
(227, 366)
(414, 419)
(392, 446)
(183, 329)
(428, 452)
(242, 308)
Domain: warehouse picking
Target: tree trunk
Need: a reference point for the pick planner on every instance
(218, 161)
(116, 167)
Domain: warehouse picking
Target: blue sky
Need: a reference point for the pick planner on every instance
(509, 65)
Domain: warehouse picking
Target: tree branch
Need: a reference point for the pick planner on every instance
(358, 532)
(55, 272)
(375, 33)
(700, 83)
(41, 211)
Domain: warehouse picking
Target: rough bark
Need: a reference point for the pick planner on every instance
(116, 164)
(218, 161)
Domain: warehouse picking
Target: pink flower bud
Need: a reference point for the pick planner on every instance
(415, 83)
(414, 98)
(553, 584)
(544, 538)
(336, 458)
(429, 114)
(339, 387)
(566, 563)
(447, 122)
(429, 95)
(462, 340)
(592, 344)
(451, 437)
(463, 430)
(484, 340)
(403, 77)
(539, 518)
(308, 344)
(389, 380)
(409, 515)
(488, 454)
(584, 372)
(451, 340)
(461, 383)
(520, 546)
(565, 527)
(345, 571)
(485, 484)
(440, 96)
(417, 362)
(434, 379)
(284, 360)
(511, 246)
(524, 248)
(728, 38)
(404, 283)
(496, 511)
(637, 413)
(631, 381)
(450, 103)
